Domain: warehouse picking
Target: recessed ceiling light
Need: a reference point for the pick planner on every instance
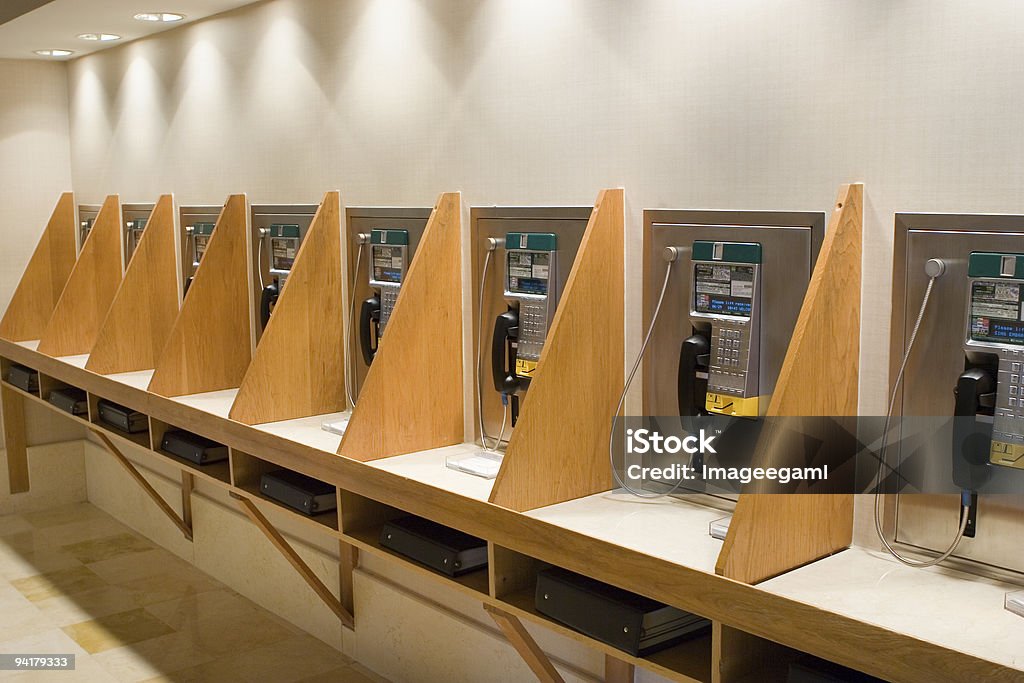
(55, 53)
(166, 17)
(101, 37)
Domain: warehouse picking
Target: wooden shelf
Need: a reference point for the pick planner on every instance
(246, 471)
(474, 583)
(687, 662)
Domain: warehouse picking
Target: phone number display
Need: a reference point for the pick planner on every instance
(37, 662)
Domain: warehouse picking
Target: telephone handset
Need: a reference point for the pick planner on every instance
(991, 387)
(531, 293)
(719, 363)
(389, 256)
(284, 245)
(198, 237)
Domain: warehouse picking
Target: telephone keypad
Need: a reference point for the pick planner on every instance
(388, 299)
(533, 329)
(729, 357)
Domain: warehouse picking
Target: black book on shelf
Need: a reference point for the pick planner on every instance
(301, 493)
(125, 419)
(70, 399)
(624, 620)
(24, 378)
(434, 545)
(192, 447)
(809, 669)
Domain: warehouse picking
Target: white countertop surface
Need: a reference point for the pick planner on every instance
(429, 468)
(138, 379)
(214, 402)
(307, 431)
(958, 611)
(667, 528)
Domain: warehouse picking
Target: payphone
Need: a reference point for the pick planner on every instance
(719, 363)
(719, 322)
(389, 259)
(135, 218)
(87, 214)
(991, 383)
(957, 356)
(531, 293)
(278, 233)
(133, 230)
(197, 239)
(284, 245)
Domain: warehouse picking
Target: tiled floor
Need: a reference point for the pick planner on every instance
(74, 580)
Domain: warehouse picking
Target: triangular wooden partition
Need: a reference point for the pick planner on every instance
(299, 366)
(143, 311)
(412, 398)
(76, 320)
(771, 534)
(44, 279)
(559, 448)
(210, 345)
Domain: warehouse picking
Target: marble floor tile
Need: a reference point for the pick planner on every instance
(19, 565)
(220, 671)
(108, 547)
(287, 661)
(184, 613)
(13, 524)
(222, 635)
(64, 610)
(115, 630)
(345, 674)
(56, 583)
(55, 641)
(164, 587)
(140, 565)
(65, 514)
(152, 658)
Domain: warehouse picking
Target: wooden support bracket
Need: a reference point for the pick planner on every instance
(15, 441)
(182, 524)
(618, 671)
(525, 645)
(279, 542)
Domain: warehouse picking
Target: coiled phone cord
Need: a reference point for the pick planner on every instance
(964, 500)
(671, 254)
(349, 388)
(479, 343)
(259, 258)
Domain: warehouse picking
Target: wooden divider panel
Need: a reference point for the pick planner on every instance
(78, 315)
(412, 398)
(44, 279)
(210, 345)
(144, 310)
(299, 366)
(771, 534)
(559, 448)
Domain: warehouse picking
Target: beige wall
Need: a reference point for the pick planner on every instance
(35, 166)
(35, 159)
(738, 104)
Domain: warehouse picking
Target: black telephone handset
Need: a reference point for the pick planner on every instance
(972, 440)
(503, 352)
(268, 300)
(369, 328)
(694, 357)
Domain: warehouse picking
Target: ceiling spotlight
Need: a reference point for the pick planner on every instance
(165, 17)
(101, 37)
(54, 53)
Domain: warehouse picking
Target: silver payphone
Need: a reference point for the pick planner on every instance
(279, 231)
(531, 291)
(957, 347)
(725, 311)
(389, 259)
(135, 218)
(87, 214)
(722, 298)
(197, 240)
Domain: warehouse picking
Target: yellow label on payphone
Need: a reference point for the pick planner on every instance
(525, 368)
(723, 404)
(1007, 454)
